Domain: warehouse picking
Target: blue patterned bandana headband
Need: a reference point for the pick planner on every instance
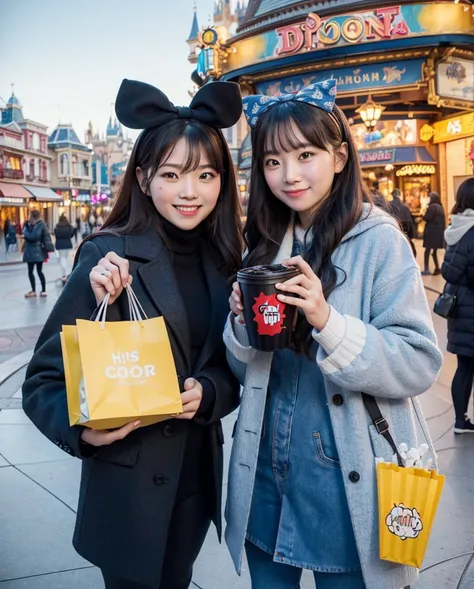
(321, 95)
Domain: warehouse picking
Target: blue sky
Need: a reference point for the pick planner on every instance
(67, 59)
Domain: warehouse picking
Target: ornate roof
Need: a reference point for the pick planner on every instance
(114, 129)
(14, 101)
(262, 12)
(12, 113)
(65, 136)
(194, 28)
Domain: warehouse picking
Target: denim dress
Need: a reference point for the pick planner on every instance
(299, 510)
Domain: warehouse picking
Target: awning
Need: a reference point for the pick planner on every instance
(395, 155)
(8, 190)
(43, 194)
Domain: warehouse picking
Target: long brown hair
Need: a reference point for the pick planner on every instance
(268, 218)
(134, 211)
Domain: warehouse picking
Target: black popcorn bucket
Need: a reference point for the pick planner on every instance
(270, 323)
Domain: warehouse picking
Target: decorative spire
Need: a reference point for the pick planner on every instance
(194, 27)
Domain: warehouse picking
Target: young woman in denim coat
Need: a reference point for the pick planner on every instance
(302, 484)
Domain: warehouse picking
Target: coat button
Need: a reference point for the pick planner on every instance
(338, 400)
(167, 431)
(354, 477)
(159, 480)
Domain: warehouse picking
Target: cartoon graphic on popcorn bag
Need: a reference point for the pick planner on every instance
(404, 522)
(268, 314)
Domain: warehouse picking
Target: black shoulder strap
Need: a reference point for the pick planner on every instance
(381, 424)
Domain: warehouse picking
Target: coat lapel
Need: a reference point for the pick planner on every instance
(159, 281)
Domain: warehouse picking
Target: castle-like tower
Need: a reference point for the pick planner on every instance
(225, 15)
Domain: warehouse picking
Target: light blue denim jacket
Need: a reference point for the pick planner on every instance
(379, 340)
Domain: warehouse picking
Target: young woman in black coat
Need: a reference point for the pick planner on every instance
(148, 494)
(433, 237)
(458, 271)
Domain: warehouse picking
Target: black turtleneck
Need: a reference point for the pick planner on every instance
(185, 249)
(186, 259)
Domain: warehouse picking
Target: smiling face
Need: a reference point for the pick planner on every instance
(300, 174)
(183, 194)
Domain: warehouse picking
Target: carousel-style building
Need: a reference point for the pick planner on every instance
(405, 75)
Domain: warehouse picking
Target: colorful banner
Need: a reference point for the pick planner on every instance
(455, 79)
(454, 128)
(352, 79)
(314, 33)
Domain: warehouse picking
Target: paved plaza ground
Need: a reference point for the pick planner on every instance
(39, 482)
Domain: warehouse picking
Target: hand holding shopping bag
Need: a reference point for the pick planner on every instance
(120, 372)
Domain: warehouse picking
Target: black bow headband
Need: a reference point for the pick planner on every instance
(141, 106)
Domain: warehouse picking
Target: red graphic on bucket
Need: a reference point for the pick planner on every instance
(269, 314)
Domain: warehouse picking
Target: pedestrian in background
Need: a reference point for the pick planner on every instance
(433, 236)
(148, 494)
(64, 233)
(6, 226)
(378, 198)
(35, 251)
(78, 232)
(458, 271)
(11, 242)
(402, 213)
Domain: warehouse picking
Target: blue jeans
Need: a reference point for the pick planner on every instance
(267, 574)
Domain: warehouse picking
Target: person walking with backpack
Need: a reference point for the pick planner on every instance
(458, 271)
(433, 237)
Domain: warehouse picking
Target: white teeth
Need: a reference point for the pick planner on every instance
(187, 209)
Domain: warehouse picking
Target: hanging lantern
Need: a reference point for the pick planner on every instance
(370, 113)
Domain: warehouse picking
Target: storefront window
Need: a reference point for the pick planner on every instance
(416, 192)
(386, 134)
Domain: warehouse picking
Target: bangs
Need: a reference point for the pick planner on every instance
(282, 122)
(199, 140)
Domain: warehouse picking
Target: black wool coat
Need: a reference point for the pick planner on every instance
(35, 237)
(458, 271)
(64, 234)
(433, 237)
(128, 489)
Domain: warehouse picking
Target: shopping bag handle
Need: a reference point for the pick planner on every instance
(137, 313)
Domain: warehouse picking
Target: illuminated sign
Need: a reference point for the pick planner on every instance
(383, 156)
(316, 33)
(351, 79)
(455, 128)
(417, 170)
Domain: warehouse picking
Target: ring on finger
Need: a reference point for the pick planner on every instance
(308, 293)
(105, 273)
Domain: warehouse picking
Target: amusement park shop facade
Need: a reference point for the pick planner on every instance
(415, 60)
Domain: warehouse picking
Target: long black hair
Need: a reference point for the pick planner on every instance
(134, 211)
(268, 218)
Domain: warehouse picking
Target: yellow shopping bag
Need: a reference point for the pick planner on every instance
(119, 372)
(408, 499)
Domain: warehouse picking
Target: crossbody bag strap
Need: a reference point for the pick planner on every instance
(381, 424)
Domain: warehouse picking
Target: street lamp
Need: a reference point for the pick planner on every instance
(370, 113)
